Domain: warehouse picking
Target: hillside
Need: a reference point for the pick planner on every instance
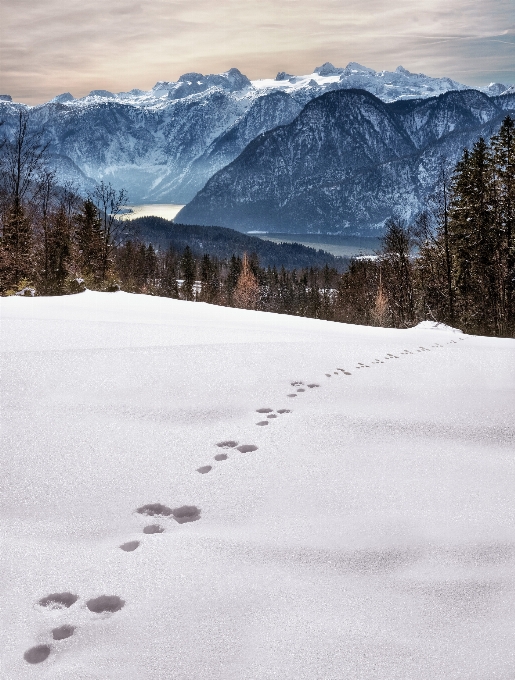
(346, 163)
(223, 243)
(153, 527)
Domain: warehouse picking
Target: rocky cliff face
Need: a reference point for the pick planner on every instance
(346, 163)
(163, 145)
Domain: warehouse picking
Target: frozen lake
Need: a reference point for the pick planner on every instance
(336, 244)
(166, 210)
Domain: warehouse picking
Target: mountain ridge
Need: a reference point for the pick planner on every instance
(346, 163)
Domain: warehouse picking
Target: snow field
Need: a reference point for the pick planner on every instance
(369, 535)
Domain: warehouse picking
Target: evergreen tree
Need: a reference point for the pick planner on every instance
(503, 159)
(472, 238)
(188, 267)
(16, 248)
(59, 252)
(90, 241)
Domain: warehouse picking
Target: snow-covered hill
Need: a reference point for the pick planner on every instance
(365, 531)
(163, 144)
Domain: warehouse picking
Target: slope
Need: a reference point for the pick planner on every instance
(369, 535)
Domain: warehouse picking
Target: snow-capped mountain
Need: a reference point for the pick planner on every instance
(162, 145)
(346, 163)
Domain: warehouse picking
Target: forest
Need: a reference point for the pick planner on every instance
(455, 263)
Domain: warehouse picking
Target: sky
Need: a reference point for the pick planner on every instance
(53, 46)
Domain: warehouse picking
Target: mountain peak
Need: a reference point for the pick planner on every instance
(327, 69)
(354, 66)
(63, 98)
(282, 75)
(404, 71)
(99, 93)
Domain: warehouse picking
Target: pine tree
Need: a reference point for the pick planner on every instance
(16, 248)
(503, 160)
(188, 267)
(90, 239)
(233, 275)
(472, 240)
(59, 252)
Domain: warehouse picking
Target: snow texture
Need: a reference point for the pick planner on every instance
(367, 533)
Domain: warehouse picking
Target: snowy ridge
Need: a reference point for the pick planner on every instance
(387, 85)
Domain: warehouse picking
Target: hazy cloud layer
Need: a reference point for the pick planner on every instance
(53, 46)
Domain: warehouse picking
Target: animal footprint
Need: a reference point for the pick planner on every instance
(186, 513)
(262, 410)
(229, 444)
(58, 600)
(247, 448)
(221, 456)
(105, 603)
(283, 410)
(296, 383)
(272, 415)
(155, 510)
(63, 632)
(153, 529)
(301, 390)
(130, 546)
(262, 422)
(204, 469)
(313, 385)
(291, 395)
(328, 375)
(37, 654)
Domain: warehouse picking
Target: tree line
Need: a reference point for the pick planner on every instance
(455, 263)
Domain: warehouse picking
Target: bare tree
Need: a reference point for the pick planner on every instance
(22, 161)
(110, 205)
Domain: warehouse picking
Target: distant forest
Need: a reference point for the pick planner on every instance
(454, 264)
(222, 243)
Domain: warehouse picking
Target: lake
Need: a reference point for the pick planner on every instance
(166, 210)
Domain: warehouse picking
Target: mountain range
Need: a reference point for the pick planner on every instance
(346, 163)
(168, 144)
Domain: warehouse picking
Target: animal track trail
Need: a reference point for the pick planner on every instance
(103, 604)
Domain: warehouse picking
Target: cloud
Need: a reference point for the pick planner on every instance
(50, 46)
